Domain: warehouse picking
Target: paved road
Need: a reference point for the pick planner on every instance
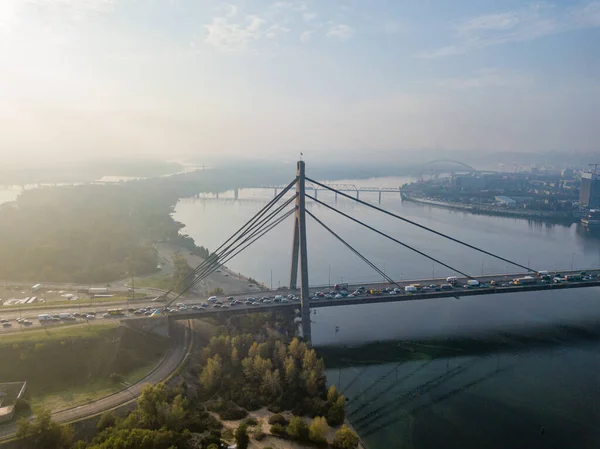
(175, 357)
(458, 291)
(190, 301)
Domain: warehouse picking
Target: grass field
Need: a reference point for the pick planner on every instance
(76, 364)
(160, 281)
(83, 394)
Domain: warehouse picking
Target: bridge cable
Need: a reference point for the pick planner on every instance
(225, 256)
(242, 231)
(218, 259)
(391, 214)
(265, 231)
(248, 241)
(354, 250)
(248, 225)
(389, 237)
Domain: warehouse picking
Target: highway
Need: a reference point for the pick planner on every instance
(459, 291)
(180, 348)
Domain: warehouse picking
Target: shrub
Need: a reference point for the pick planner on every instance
(259, 435)
(115, 378)
(318, 430)
(227, 434)
(297, 429)
(278, 430)
(278, 419)
(274, 408)
(345, 439)
(241, 437)
(216, 292)
(201, 421)
(108, 419)
(233, 414)
(250, 421)
(22, 407)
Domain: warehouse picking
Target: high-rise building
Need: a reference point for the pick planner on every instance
(589, 194)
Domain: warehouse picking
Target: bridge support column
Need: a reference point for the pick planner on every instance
(274, 192)
(316, 193)
(299, 252)
(236, 193)
(217, 195)
(380, 197)
(358, 194)
(335, 197)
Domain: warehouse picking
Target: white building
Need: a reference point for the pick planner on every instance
(505, 201)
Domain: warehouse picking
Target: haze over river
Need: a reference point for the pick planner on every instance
(535, 383)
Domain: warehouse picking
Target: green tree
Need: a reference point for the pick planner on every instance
(43, 433)
(253, 351)
(318, 430)
(336, 413)
(271, 385)
(107, 419)
(181, 273)
(241, 436)
(174, 415)
(291, 372)
(211, 374)
(345, 439)
(297, 349)
(312, 383)
(139, 439)
(151, 406)
(297, 429)
(332, 395)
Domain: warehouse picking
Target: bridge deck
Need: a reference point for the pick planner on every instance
(371, 299)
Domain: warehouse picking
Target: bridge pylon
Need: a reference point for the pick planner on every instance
(299, 253)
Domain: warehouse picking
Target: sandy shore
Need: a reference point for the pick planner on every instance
(224, 278)
(262, 416)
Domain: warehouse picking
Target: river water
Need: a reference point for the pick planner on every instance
(518, 370)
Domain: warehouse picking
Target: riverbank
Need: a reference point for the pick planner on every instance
(478, 209)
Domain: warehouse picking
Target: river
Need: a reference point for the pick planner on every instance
(518, 370)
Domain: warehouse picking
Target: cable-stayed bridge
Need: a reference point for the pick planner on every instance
(290, 202)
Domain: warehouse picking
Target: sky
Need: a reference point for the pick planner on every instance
(270, 79)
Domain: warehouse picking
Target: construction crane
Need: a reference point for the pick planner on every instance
(595, 167)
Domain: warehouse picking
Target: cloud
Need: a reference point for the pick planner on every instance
(73, 9)
(276, 30)
(393, 27)
(489, 78)
(533, 22)
(341, 31)
(232, 29)
(231, 10)
(228, 35)
(309, 16)
(306, 36)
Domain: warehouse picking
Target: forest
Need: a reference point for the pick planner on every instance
(92, 233)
